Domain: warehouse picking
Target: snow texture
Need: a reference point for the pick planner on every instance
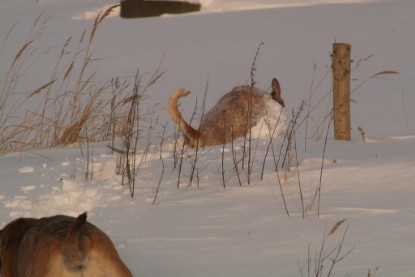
(206, 229)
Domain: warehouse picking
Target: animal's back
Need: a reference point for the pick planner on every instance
(230, 117)
(10, 241)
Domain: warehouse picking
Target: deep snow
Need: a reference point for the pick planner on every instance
(208, 230)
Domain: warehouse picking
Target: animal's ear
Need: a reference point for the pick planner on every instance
(276, 92)
(276, 87)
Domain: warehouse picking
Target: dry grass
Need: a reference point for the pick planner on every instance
(322, 116)
(324, 261)
(336, 227)
(72, 109)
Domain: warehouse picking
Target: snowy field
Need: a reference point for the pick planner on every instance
(217, 227)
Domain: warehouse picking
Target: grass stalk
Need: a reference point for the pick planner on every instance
(298, 176)
(234, 156)
(270, 145)
(195, 152)
(321, 170)
(249, 114)
(223, 159)
(325, 261)
(282, 193)
(308, 108)
(159, 183)
(197, 147)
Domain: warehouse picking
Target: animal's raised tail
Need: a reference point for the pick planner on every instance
(192, 136)
(75, 249)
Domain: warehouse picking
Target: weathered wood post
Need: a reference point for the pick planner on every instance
(341, 90)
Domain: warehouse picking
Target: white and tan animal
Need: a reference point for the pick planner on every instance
(58, 246)
(229, 119)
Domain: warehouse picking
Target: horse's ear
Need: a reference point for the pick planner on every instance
(276, 87)
(276, 92)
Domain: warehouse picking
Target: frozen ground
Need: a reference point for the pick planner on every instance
(209, 230)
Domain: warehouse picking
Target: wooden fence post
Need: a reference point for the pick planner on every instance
(341, 90)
